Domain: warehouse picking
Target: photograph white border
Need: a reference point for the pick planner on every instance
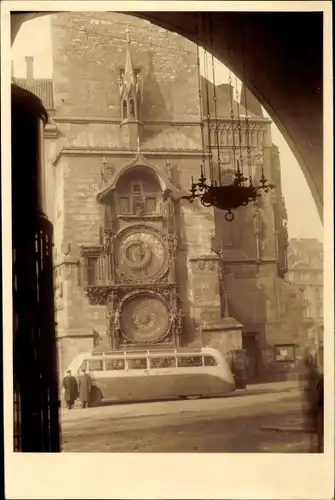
(153, 476)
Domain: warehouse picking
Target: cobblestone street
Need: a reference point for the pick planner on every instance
(248, 422)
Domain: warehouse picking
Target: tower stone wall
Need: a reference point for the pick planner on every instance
(217, 280)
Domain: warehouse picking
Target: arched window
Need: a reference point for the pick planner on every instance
(139, 192)
(124, 110)
(131, 108)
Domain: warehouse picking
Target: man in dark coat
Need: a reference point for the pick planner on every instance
(85, 385)
(70, 389)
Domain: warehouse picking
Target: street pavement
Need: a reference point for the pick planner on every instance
(262, 418)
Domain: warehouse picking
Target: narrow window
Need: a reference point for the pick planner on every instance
(189, 361)
(137, 364)
(114, 364)
(285, 353)
(138, 109)
(124, 205)
(151, 205)
(162, 362)
(132, 108)
(209, 361)
(95, 365)
(124, 113)
(91, 270)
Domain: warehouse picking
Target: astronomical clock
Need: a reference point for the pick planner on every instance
(136, 263)
(141, 255)
(145, 317)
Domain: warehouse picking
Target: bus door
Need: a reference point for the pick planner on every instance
(136, 375)
(163, 376)
(95, 368)
(116, 381)
(192, 379)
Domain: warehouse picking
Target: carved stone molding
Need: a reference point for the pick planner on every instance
(98, 295)
(88, 250)
(203, 263)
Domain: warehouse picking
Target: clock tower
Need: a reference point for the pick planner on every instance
(137, 258)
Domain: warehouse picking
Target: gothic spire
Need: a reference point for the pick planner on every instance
(130, 101)
(129, 76)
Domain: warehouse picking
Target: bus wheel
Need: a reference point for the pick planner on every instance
(95, 397)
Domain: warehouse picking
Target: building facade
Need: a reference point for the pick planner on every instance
(136, 265)
(305, 274)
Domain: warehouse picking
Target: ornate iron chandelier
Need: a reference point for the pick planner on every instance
(212, 191)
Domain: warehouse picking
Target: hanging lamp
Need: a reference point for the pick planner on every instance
(212, 191)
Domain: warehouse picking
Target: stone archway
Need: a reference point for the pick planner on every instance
(282, 64)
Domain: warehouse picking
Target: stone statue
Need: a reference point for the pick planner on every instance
(260, 226)
(173, 238)
(140, 209)
(179, 322)
(169, 170)
(117, 325)
(257, 221)
(173, 317)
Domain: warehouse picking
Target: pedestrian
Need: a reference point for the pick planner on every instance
(85, 385)
(70, 387)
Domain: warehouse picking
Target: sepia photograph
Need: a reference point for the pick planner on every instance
(167, 231)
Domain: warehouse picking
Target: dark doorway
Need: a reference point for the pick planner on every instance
(250, 344)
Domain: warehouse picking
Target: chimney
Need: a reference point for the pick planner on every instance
(29, 70)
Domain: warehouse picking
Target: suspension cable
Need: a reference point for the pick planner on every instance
(210, 156)
(203, 160)
(215, 103)
(232, 119)
(239, 128)
(247, 127)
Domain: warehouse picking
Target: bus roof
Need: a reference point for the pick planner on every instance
(150, 352)
(77, 360)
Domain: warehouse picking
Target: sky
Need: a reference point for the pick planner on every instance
(308, 226)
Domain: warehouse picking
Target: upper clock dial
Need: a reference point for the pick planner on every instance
(141, 255)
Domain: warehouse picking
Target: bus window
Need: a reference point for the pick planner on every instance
(95, 365)
(163, 362)
(137, 364)
(189, 361)
(210, 361)
(114, 364)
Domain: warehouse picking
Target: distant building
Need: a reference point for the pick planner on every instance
(136, 266)
(305, 273)
(305, 270)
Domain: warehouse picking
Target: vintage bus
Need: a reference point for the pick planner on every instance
(153, 374)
